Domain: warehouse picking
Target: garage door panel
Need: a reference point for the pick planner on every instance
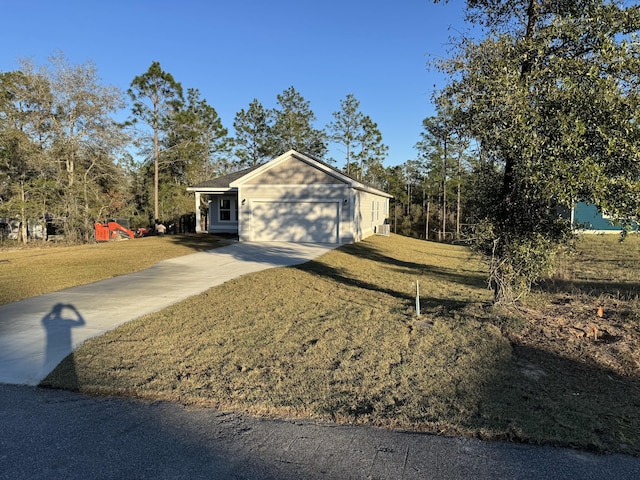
(295, 221)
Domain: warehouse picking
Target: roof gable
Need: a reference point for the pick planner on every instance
(290, 168)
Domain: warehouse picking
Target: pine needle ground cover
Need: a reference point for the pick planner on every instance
(337, 339)
(39, 268)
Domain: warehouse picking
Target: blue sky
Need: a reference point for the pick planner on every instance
(238, 50)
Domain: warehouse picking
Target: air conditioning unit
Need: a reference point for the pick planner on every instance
(382, 230)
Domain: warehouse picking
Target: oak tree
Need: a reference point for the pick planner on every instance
(550, 92)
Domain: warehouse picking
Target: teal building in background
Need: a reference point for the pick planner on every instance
(586, 217)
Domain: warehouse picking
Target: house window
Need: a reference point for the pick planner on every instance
(225, 210)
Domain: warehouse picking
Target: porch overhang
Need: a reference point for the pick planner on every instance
(199, 191)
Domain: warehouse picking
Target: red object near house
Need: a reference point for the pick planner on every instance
(102, 232)
(111, 231)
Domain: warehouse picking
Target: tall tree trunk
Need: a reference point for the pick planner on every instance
(458, 195)
(348, 159)
(444, 192)
(426, 228)
(509, 185)
(156, 170)
(87, 207)
(395, 218)
(22, 227)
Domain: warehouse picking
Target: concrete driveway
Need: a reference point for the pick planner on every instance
(37, 333)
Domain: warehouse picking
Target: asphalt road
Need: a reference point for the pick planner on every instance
(48, 434)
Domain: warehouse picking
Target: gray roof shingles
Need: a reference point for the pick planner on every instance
(225, 180)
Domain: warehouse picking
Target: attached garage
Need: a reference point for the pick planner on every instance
(295, 221)
(292, 198)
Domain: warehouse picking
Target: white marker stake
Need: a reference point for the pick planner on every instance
(417, 298)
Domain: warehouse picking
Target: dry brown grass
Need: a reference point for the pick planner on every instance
(337, 339)
(42, 268)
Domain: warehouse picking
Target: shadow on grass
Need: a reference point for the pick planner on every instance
(541, 397)
(594, 288)
(428, 303)
(462, 277)
(323, 270)
(200, 242)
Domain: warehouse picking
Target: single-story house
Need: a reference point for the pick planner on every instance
(293, 198)
(588, 219)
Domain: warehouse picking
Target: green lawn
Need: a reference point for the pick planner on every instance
(337, 339)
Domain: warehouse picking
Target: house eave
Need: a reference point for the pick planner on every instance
(374, 191)
(213, 190)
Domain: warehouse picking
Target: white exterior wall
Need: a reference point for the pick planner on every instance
(370, 211)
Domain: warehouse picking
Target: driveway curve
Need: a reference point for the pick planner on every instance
(38, 332)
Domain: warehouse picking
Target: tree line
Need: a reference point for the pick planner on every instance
(65, 158)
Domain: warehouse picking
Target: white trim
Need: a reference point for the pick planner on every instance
(296, 185)
(233, 208)
(372, 191)
(198, 223)
(296, 200)
(211, 190)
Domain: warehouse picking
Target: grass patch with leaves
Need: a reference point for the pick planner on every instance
(337, 339)
(41, 268)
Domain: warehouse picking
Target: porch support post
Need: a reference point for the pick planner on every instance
(198, 226)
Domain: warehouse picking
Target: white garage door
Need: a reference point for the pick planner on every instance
(315, 222)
